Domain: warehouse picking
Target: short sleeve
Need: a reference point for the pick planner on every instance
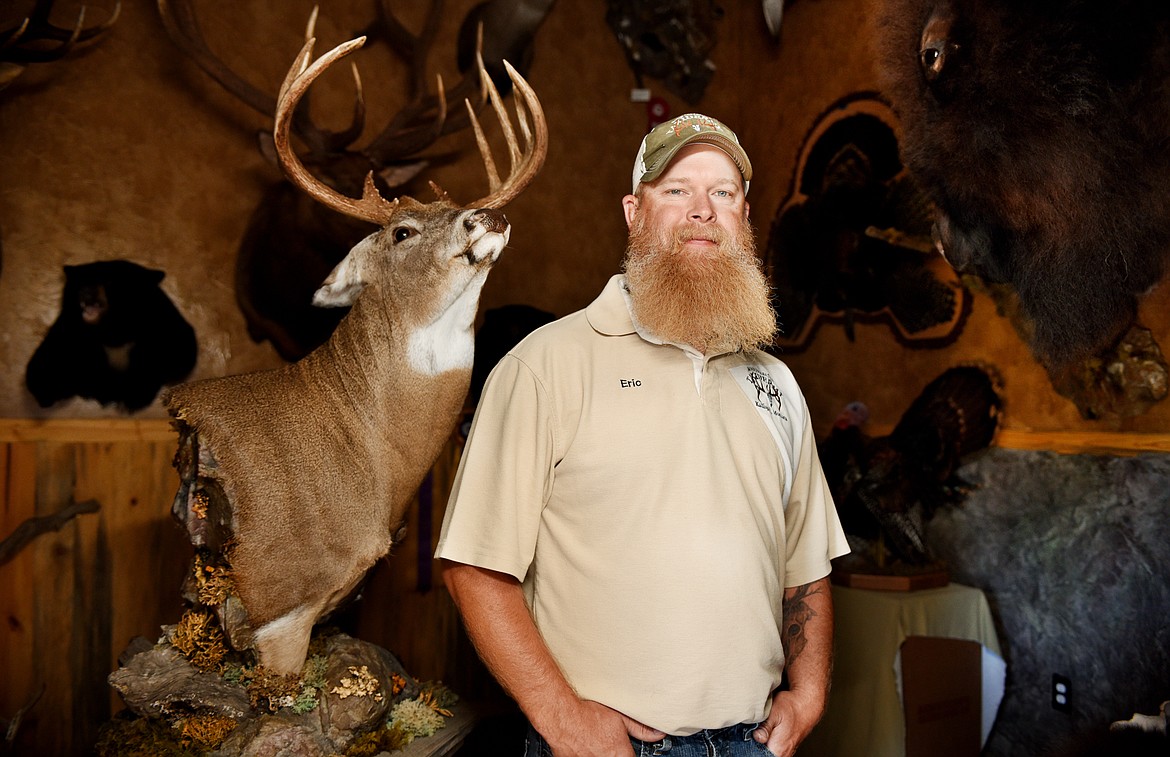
(504, 476)
(814, 531)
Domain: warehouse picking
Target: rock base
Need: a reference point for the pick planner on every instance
(345, 692)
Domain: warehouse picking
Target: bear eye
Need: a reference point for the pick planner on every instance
(402, 233)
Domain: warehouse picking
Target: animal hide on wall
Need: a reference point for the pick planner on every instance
(850, 242)
(669, 40)
(1040, 130)
(117, 340)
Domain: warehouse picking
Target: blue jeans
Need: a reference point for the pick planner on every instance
(732, 741)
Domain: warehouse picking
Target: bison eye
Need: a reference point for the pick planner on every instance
(402, 233)
(933, 59)
(936, 43)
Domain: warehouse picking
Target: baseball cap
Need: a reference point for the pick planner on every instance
(665, 140)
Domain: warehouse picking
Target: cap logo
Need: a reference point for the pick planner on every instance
(695, 123)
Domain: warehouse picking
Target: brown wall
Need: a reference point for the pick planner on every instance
(127, 150)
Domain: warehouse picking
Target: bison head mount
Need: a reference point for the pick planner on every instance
(1041, 131)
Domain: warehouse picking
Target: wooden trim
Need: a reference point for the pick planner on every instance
(1069, 442)
(87, 430)
(160, 430)
(1083, 442)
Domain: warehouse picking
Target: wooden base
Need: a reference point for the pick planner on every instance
(930, 579)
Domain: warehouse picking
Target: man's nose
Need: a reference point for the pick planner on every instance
(701, 210)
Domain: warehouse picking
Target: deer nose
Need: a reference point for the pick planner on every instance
(489, 218)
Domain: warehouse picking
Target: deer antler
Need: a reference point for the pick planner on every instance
(36, 28)
(524, 164)
(420, 122)
(373, 206)
(35, 39)
(182, 25)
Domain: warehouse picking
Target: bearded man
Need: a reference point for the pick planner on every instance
(639, 534)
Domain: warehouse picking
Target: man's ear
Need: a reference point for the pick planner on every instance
(630, 208)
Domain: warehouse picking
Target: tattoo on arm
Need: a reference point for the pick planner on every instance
(796, 614)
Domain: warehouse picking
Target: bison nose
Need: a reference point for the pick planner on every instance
(489, 218)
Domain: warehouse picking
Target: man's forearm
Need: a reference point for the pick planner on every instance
(807, 632)
(501, 628)
(808, 641)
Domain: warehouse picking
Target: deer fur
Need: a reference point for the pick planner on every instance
(299, 477)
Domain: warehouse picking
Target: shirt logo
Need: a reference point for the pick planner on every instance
(631, 383)
(768, 396)
(761, 388)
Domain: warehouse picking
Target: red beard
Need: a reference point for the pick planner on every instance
(715, 301)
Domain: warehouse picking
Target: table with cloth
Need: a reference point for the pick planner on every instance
(864, 714)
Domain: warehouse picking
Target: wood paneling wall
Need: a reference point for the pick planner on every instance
(72, 599)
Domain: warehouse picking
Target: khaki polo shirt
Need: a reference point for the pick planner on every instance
(655, 504)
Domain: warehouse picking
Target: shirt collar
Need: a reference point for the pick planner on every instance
(611, 314)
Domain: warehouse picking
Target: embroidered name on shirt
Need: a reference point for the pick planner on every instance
(768, 396)
(630, 383)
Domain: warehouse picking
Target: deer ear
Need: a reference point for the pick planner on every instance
(341, 287)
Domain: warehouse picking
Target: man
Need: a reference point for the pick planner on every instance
(639, 533)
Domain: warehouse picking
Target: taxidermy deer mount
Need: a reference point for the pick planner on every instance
(1040, 132)
(300, 477)
(292, 242)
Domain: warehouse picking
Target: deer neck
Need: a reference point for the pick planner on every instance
(381, 363)
(446, 343)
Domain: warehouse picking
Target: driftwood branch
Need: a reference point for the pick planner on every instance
(13, 725)
(35, 526)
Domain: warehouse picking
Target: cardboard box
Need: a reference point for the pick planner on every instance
(942, 696)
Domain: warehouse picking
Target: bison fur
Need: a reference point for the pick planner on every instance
(1041, 131)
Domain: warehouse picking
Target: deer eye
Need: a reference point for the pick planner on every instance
(402, 233)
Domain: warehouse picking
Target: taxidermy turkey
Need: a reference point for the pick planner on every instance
(892, 485)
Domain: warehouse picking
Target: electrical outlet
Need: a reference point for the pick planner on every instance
(1061, 693)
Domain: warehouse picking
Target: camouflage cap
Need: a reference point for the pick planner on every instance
(665, 140)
